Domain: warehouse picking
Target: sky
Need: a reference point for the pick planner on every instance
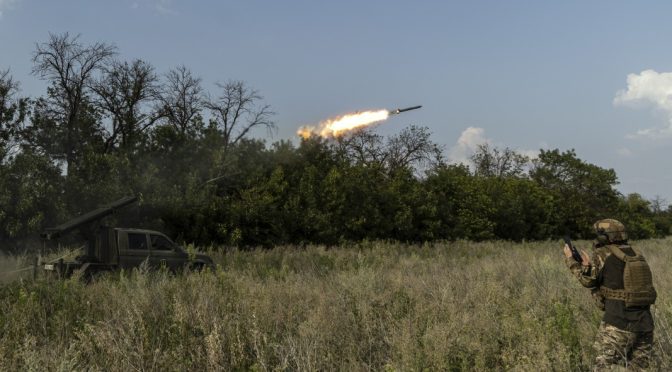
(594, 76)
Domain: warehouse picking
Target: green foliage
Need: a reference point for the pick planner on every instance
(30, 195)
(465, 212)
(582, 192)
(637, 216)
(522, 209)
(13, 111)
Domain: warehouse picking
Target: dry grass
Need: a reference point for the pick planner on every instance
(374, 306)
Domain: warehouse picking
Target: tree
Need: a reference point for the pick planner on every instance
(362, 147)
(30, 198)
(13, 111)
(180, 99)
(521, 208)
(238, 110)
(637, 216)
(658, 204)
(69, 66)
(493, 162)
(411, 149)
(662, 215)
(465, 210)
(121, 93)
(582, 192)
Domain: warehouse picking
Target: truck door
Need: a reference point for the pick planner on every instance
(133, 249)
(166, 253)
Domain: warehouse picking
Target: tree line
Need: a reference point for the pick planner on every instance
(107, 127)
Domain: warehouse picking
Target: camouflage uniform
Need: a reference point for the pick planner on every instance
(625, 336)
(615, 346)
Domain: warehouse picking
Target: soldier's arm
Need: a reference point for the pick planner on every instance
(586, 272)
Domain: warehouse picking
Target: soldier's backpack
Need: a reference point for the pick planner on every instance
(637, 280)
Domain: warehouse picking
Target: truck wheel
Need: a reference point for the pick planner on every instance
(196, 266)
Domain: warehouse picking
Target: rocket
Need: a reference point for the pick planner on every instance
(399, 111)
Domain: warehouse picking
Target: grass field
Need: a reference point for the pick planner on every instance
(373, 306)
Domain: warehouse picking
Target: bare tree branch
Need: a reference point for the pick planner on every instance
(121, 92)
(180, 98)
(412, 149)
(236, 112)
(493, 162)
(69, 66)
(363, 147)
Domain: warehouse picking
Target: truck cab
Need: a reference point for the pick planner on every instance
(137, 245)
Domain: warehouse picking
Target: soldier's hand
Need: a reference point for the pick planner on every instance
(567, 251)
(585, 258)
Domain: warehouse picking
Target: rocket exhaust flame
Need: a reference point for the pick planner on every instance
(341, 125)
(338, 126)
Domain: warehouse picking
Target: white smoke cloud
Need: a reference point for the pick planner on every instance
(471, 138)
(649, 89)
(467, 144)
(6, 5)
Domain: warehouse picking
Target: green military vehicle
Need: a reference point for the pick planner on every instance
(113, 248)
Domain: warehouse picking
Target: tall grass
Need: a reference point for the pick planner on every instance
(373, 306)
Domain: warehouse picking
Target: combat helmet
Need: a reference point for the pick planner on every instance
(610, 231)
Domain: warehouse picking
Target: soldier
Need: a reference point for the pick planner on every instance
(620, 281)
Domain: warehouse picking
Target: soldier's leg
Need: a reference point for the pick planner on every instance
(642, 349)
(611, 345)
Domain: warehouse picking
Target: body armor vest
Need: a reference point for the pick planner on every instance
(638, 287)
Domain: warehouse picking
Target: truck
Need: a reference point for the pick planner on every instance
(114, 248)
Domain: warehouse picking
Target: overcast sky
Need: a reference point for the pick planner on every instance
(595, 76)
